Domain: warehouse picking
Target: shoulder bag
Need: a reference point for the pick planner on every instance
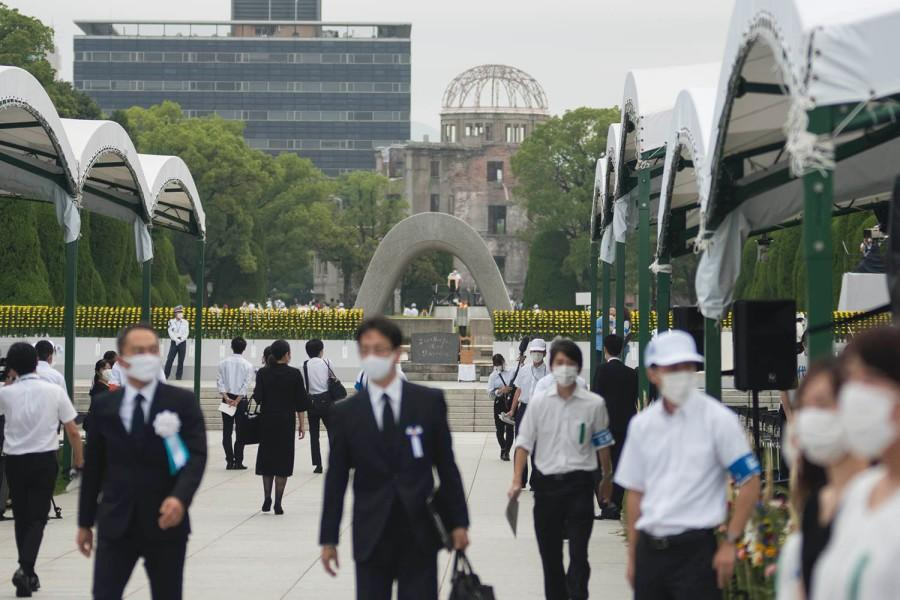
(247, 424)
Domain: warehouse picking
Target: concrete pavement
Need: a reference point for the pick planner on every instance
(237, 552)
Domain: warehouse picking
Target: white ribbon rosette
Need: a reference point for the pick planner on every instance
(166, 424)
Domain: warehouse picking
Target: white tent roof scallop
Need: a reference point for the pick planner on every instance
(783, 59)
(176, 202)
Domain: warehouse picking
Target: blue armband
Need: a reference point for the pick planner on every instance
(744, 468)
(601, 439)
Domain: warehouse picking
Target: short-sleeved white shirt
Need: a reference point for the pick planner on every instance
(528, 377)
(567, 432)
(34, 408)
(860, 561)
(46, 372)
(499, 380)
(681, 463)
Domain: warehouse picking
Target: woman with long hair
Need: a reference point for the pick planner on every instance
(282, 399)
(102, 376)
(861, 558)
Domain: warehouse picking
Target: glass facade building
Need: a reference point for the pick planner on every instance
(329, 92)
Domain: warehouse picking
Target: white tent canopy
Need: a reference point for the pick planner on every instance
(686, 151)
(783, 59)
(92, 165)
(607, 188)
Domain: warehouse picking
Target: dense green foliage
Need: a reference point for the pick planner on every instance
(548, 284)
(555, 172)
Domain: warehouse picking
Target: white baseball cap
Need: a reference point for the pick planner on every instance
(672, 347)
(537, 345)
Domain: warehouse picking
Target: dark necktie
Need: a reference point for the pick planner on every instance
(137, 417)
(388, 424)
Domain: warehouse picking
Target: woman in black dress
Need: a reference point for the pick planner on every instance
(282, 399)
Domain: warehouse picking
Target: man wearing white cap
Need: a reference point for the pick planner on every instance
(178, 333)
(530, 373)
(675, 464)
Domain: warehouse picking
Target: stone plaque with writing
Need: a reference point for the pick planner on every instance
(435, 348)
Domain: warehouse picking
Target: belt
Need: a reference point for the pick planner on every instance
(687, 537)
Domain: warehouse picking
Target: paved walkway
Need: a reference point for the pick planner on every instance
(237, 552)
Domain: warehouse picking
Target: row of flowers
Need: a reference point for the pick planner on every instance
(577, 324)
(107, 321)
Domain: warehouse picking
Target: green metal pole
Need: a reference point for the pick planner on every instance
(595, 255)
(69, 308)
(146, 287)
(607, 295)
(663, 298)
(620, 287)
(712, 354)
(198, 313)
(643, 279)
(818, 187)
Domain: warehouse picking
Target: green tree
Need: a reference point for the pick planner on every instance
(423, 274)
(547, 283)
(554, 169)
(23, 274)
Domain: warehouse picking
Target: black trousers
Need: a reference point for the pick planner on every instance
(569, 511)
(234, 451)
(396, 559)
(683, 571)
(163, 561)
(32, 478)
(180, 350)
(316, 419)
(618, 494)
(505, 432)
(520, 414)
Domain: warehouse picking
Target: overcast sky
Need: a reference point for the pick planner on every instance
(580, 50)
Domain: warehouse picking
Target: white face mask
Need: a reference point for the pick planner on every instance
(677, 387)
(537, 357)
(821, 436)
(106, 374)
(565, 375)
(866, 413)
(376, 367)
(498, 369)
(143, 367)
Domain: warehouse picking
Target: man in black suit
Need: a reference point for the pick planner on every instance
(127, 488)
(618, 385)
(392, 433)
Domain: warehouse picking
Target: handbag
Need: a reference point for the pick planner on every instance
(248, 426)
(466, 585)
(336, 389)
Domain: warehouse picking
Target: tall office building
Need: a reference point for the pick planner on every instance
(329, 92)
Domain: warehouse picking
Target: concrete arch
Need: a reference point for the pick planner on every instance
(421, 233)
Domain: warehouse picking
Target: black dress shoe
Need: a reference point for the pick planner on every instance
(279, 510)
(318, 469)
(267, 505)
(35, 582)
(504, 456)
(239, 467)
(229, 467)
(611, 513)
(22, 583)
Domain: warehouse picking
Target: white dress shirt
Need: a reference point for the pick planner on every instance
(681, 463)
(861, 558)
(46, 372)
(567, 432)
(499, 380)
(394, 390)
(548, 381)
(34, 408)
(178, 330)
(235, 376)
(528, 377)
(317, 371)
(126, 411)
(119, 378)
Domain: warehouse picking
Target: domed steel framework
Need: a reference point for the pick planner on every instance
(495, 88)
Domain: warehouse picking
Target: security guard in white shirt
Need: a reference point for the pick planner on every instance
(178, 333)
(529, 374)
(45, 351)
(566, 430)
(677, 458)
(234, 382)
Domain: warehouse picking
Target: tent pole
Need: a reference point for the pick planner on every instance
(663, 302)
(818, 187)
(69, 309)
(620, 290)
(198, 313)
(607, 294)
(712, 354)
(146, 287)
(592, 320)
(643, 278)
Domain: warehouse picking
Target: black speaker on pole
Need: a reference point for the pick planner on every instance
(765, 344)
(690, 319)
(893, 252)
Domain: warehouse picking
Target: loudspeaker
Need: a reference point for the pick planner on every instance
(893, 252)
(765, 344)
(690, 319)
